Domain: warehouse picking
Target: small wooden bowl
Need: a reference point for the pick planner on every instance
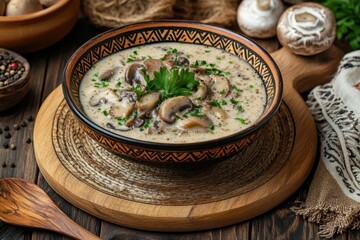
(38, 30)
(13, 93)
(171, 31)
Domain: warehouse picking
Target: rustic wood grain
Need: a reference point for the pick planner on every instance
(58, 56)
(203, 215)
(27, 167)
(25, 204)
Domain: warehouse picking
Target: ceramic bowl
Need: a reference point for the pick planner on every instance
(171, 31)
(35, 31)
(13, 93)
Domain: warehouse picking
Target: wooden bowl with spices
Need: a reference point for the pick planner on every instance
(37, 30)
(14, 78)
(172, 91)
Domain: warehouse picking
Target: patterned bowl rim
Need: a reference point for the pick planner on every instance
(214, 143)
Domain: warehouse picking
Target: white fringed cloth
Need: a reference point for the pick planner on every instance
(333, 200)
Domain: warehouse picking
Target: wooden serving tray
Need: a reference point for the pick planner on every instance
(152, 198)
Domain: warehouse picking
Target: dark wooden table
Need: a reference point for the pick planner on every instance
(46, 71)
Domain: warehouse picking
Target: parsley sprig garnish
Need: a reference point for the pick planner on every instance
(347, 15)
(176, 82)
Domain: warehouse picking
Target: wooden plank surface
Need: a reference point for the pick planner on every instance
(46, 68)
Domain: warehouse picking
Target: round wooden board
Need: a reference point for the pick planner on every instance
(190, 217)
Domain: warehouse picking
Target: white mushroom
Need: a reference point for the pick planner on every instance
(220, 86)
(104, 97)
(147, 102)
(258, 18)
(191, 122)
(134, 75)
(201, 93)
(125, 106)
(21, 7)
(307, 28)
(215, 114)
(153, 65)
(171, 106)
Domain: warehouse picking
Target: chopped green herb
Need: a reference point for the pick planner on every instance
(172, 51)
(138, 91)
(176, 82)
(102, 83)
(240, 109)
(223, 102)
(118, 83)
(231, 62)
(207, 51)
(242, 121)
(203, 62)
(233, 101)
(147, 124)
(96, 75)
(133, 114)
(200, 99)
(196, 112)
(105, 113)
(215, 104)
(212, 128)
(251, 86)
(121, 120)
(218, 58)
(236, 89)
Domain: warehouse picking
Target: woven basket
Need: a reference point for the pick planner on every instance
(116, 13)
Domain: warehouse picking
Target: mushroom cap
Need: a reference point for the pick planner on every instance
(256, 22)
(307, 29)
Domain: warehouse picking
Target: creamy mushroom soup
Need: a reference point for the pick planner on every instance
(173, 93)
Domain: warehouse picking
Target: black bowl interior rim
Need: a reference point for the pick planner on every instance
(174, 146)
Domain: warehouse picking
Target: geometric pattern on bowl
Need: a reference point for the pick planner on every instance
(171, 31)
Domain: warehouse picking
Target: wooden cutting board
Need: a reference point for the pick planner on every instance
(299, 74)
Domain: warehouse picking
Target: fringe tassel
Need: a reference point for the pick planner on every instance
(332, 219)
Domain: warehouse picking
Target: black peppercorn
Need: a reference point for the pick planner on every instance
(6, 128)
(16, 127)
(8, 135)
(30, 118)
(28, 141)
(3, 165)
(12, 146)
(12, 165)
(23, 124)
(6, 145)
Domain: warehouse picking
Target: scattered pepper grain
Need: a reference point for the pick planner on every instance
(23, 124)
(6, 145)
(3, 165)
(28, 141)
(13, 165)
(12, 146)
(16, 127)
(6, 128)
(30, 118)
(8, 135)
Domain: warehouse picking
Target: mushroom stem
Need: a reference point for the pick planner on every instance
(263, 4)
(305, 17)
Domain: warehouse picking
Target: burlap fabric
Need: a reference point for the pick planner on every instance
(116, 13)
(333, 200)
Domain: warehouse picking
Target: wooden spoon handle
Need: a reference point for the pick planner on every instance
(25, 204)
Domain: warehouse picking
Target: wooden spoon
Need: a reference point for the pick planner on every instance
(25, 204)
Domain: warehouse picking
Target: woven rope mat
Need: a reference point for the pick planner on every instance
(106, 172)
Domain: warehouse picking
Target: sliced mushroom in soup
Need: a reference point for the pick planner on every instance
(173, 93)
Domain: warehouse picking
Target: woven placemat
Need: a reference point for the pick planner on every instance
(151, 184)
